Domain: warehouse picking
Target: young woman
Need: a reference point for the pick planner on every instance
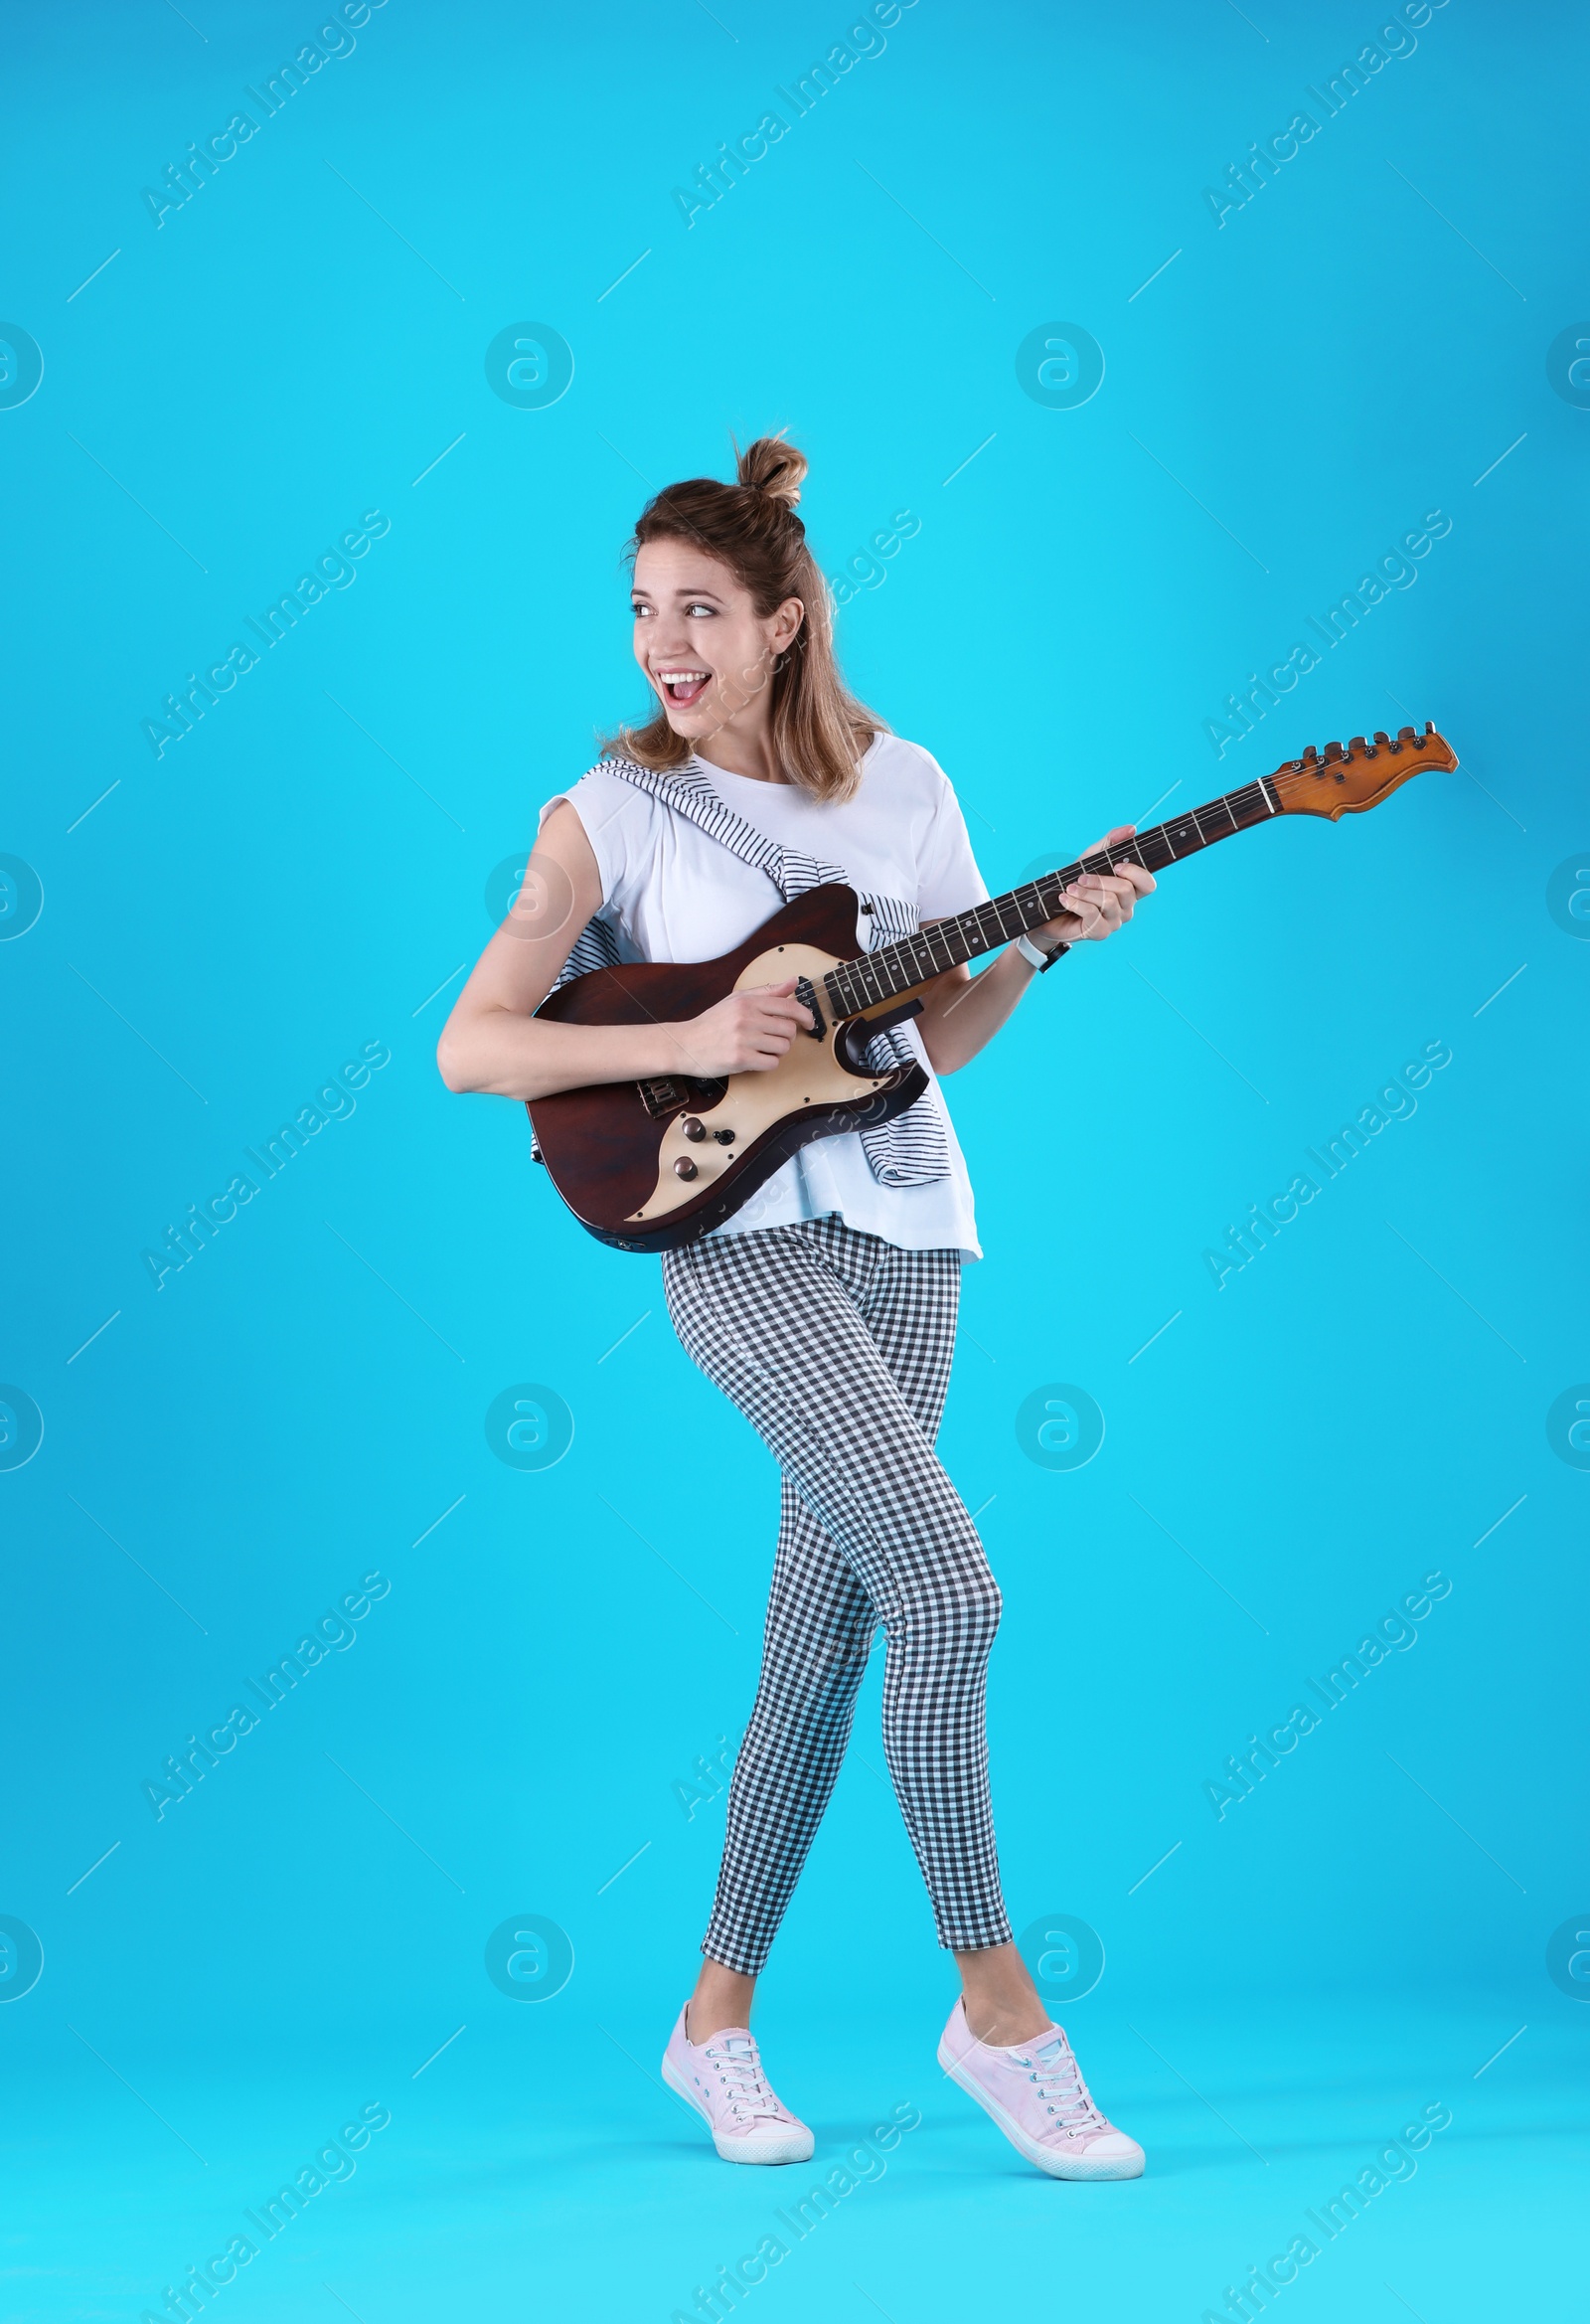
(758, 774)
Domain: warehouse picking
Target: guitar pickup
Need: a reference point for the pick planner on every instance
(805, 992)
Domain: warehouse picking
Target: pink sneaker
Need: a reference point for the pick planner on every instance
(1035, 2093)
(724, 2081)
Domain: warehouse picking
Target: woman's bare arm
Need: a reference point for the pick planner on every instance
(494, 1044)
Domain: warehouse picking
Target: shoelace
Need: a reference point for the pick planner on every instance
(1053, 2068)
(749, 2094)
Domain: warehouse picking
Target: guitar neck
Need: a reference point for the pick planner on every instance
(882, 976)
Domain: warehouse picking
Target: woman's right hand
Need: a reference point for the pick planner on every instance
(748, 1032)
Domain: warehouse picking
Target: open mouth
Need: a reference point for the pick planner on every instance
(683, 686)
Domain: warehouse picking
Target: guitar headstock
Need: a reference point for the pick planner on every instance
(1344, 779)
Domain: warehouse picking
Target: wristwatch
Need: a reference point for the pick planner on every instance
(1037, 959)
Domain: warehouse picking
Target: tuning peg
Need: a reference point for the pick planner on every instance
(1429, 726)
(1357, 743)
(1333, 751)
(1310, 756)
(1406, 735)
(1381, 737)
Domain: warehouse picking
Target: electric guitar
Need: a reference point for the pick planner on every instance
(651, 1165)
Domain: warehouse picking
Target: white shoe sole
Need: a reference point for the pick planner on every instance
(783, 2146)
(1043, 2158)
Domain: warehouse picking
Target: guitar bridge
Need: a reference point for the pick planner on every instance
(672, 1094)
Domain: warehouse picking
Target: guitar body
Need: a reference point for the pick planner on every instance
(612, 1149)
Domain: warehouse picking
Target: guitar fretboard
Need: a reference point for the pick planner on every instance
(915, 960)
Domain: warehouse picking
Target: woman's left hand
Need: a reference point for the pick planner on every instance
(1100, 902)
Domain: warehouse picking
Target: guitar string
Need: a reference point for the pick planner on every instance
(1046, 893)
(914, 953)
(874, 967)
(849, 978)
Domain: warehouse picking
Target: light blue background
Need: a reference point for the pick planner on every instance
(223, 926)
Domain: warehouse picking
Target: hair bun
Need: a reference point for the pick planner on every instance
(773, 466)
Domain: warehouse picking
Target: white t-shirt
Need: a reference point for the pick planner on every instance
(673, 892)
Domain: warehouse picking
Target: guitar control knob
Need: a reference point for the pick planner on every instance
(724, 1137)
(694, 1130)
(685, 1166)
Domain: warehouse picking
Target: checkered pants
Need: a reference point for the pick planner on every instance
(835, 1346)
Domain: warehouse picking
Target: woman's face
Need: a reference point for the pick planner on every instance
(706, 651)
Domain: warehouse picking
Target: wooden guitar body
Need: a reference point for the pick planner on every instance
(613, 1150)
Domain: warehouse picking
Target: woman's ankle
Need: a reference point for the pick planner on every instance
(998, 1997)
(1002, 2027)
(722, 1998)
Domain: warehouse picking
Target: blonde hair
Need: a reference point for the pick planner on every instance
(820, 728)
